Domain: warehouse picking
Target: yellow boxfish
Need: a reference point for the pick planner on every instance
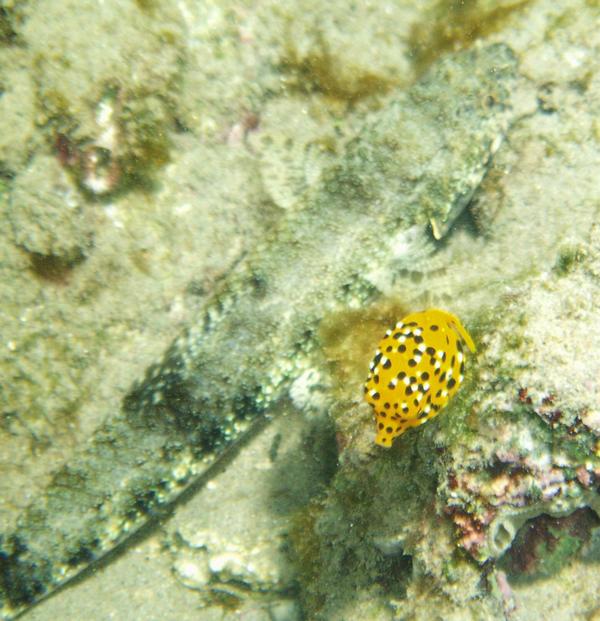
(418, 366)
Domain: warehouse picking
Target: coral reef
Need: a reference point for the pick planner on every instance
(541, 415)
(198, 401)
(520, 444)
(286, 180)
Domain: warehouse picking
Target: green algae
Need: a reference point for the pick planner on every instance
(11, 19)
(335, 564)
(347, 339)
(7, 30)
(569, 258)
(451, 25)
(318, 72)
(147, 6)
(305, 554)
(146, 126)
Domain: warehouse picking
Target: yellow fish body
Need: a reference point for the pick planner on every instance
(418, 366)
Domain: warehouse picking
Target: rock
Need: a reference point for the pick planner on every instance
(48, 215)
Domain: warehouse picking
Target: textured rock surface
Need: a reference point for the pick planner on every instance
(47, 214)
(226, 543)
(257, 335)
(182, 178)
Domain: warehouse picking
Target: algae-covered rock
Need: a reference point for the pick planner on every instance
(18, 138)
(108, 113)
(186, 126)
(453, 498)
(454, 25)
(545, 544)
(519, 442)
(325, 48)
(535, 448)
(48, 215)
(321, 258)
(295, 143)
(11, 17)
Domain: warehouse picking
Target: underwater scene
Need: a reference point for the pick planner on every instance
(300, 310)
